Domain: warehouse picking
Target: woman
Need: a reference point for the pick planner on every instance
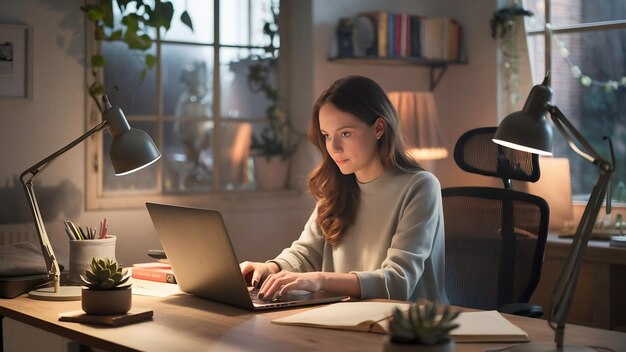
(377, 229)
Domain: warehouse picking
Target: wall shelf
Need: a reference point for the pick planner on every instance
(437, 67)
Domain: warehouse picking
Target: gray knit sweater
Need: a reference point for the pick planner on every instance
(395, 247)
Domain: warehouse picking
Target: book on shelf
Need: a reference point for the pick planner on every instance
(153, 272)
(480, 326)
(402, 36)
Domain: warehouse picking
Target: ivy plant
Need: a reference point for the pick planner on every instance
(139, 18)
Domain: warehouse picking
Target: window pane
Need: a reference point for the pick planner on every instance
(239, 99)
(567, 12)
(123, 70)
(235, 168)
(187, 74)
(235, 29)
(142, 180)
(593, 108)
(187, 155)
(201, 13)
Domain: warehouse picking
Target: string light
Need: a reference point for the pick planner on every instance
(585, 80)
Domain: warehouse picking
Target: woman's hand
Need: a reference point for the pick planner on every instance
(278, 284)
(255, 272)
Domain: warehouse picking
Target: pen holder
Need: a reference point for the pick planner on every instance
(82, 251)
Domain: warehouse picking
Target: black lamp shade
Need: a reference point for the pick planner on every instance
(131, 151)
(528, 130)
(522, 131)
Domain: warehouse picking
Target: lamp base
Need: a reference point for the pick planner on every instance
(65, 293)
(543, 347)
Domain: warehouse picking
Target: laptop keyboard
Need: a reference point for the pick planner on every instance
(254, 292)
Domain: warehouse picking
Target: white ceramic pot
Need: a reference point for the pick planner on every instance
(271, 174)
(389, 346)
(82, 251)
(107, 302)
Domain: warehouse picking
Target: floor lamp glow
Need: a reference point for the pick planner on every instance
(131, 150)
(420, 124)
(529, 131)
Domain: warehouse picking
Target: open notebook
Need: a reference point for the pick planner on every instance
(484, 326)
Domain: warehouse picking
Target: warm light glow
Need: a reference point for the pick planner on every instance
(428, 153)
(521, 147)
(419, 122)
(139, 168)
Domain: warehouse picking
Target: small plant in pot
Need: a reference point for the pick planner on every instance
(421, 328)
(108, 290)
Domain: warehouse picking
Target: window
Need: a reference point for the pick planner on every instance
(196, 104)
(588, 70)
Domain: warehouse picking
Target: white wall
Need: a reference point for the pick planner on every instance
(30, 130)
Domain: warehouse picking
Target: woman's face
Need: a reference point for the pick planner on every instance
(351, 143)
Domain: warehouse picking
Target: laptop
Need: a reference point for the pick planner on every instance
(202, 257)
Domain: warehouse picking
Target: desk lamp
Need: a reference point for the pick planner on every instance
(131, 149)
(529, 131)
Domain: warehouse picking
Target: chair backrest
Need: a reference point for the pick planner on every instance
(495, 238)
(475, 152)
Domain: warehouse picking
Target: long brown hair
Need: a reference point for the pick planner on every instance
(337, 195)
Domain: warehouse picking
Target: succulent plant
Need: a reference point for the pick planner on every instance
(422, 325)
(105, 274)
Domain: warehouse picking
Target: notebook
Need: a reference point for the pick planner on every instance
(481, 326)
(202, 257)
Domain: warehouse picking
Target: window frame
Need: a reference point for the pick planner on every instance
(548, 56)
(225, 199)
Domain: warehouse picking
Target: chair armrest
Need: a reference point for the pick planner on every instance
(522, 309)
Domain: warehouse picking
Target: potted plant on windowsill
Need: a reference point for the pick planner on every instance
(421, 328)
(276, 143)
(107, 291)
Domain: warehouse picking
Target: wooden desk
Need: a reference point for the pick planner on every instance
(187, 323)
(600, 297)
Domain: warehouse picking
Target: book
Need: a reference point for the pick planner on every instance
(153, 272)
(618, 241)
(482, 326)
(133, 316)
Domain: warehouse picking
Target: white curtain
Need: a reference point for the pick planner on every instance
(514, 65)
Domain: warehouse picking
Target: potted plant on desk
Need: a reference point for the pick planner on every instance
(421, 329)
(108, 291)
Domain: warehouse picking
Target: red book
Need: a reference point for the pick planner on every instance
(154, 272)
(397, 35)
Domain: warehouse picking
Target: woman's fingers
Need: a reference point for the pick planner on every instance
(279, 284)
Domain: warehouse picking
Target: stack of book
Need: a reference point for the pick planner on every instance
(410, 36)
(154, 271)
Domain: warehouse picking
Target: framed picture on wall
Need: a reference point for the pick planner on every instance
(15, 61)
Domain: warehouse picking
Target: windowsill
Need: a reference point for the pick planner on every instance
(225, 201)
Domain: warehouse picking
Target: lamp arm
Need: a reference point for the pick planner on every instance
(572, 136)
(27, 177)
(563, 291)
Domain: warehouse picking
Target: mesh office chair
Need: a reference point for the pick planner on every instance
(495, 237)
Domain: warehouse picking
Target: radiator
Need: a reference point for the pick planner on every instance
(13, 233)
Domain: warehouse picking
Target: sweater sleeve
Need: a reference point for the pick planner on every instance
(305, 254)
(419, 223)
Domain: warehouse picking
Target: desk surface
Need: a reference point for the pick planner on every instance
(597, 251)
(184, 322)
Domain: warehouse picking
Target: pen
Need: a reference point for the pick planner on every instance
(68, 231)
(104, 229)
